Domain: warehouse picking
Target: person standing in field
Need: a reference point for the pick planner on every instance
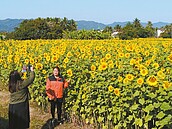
(55, 85)
(19, 115)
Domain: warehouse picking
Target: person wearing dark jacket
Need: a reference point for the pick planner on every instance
(55, 85)
(19, 115)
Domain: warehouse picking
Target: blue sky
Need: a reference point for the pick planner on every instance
(103, 11)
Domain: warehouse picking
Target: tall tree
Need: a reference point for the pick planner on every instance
(137, 23)
(108, 29)
(127, 32)
(167, 31)
(118, 28)
(150, 30)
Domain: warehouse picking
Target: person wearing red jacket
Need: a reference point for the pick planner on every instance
(55, 85)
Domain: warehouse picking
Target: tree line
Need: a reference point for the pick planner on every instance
(41, 28)
(136, 30)
(58, 28)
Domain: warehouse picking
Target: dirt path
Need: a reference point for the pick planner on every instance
(39, 118)
(4, 97)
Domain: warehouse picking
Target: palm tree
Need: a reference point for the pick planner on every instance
(118, 28)
(137, 23)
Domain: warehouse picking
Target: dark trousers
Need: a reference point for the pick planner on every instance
(56, 104)
(19, 116)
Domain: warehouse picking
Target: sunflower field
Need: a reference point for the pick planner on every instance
(114, 83)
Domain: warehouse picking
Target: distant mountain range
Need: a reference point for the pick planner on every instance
(88, 25)
(8, 25)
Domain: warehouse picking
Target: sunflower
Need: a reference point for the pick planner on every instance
(39, 58)
(113, 79)
(26, 61)
(1, 60)
(166, 84)
(132, 61)
(153, 57)
(44, 71)
(45, 55)
(54, 58)
(103, 60)
(83, 96)
(147, 63)
(110, 62)
(155, 65)
(120, 78)
(140, 59)
(143, 72)
(31, 60)
(5, 65)
(140, 81)
(129, 48)
(9, 58)
(117, 63)
(127, 55)
(92, 73)
(160, 74)
(97, 47)
(69, 54)
(24, 76)
(48, 58)
(74, 48)
(162, 69)
(111, 65)
(103, 66)
(125, 81)
(93, 67)
(103, 50)
(147, 53)
(82, 50)
(39, 66)
(168, 70)
(110, 88)
(66, 60)
(116, 91)
(69, 72)
(108, 56)
(152, 80)
(121, 55)
(129, 77)
(141, 66)
(77, 54)
(170, 57)
(16, 59)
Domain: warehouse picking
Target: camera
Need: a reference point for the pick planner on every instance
(26, 68)
(29, 67)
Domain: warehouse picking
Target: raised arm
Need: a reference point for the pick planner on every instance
(30, 80)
